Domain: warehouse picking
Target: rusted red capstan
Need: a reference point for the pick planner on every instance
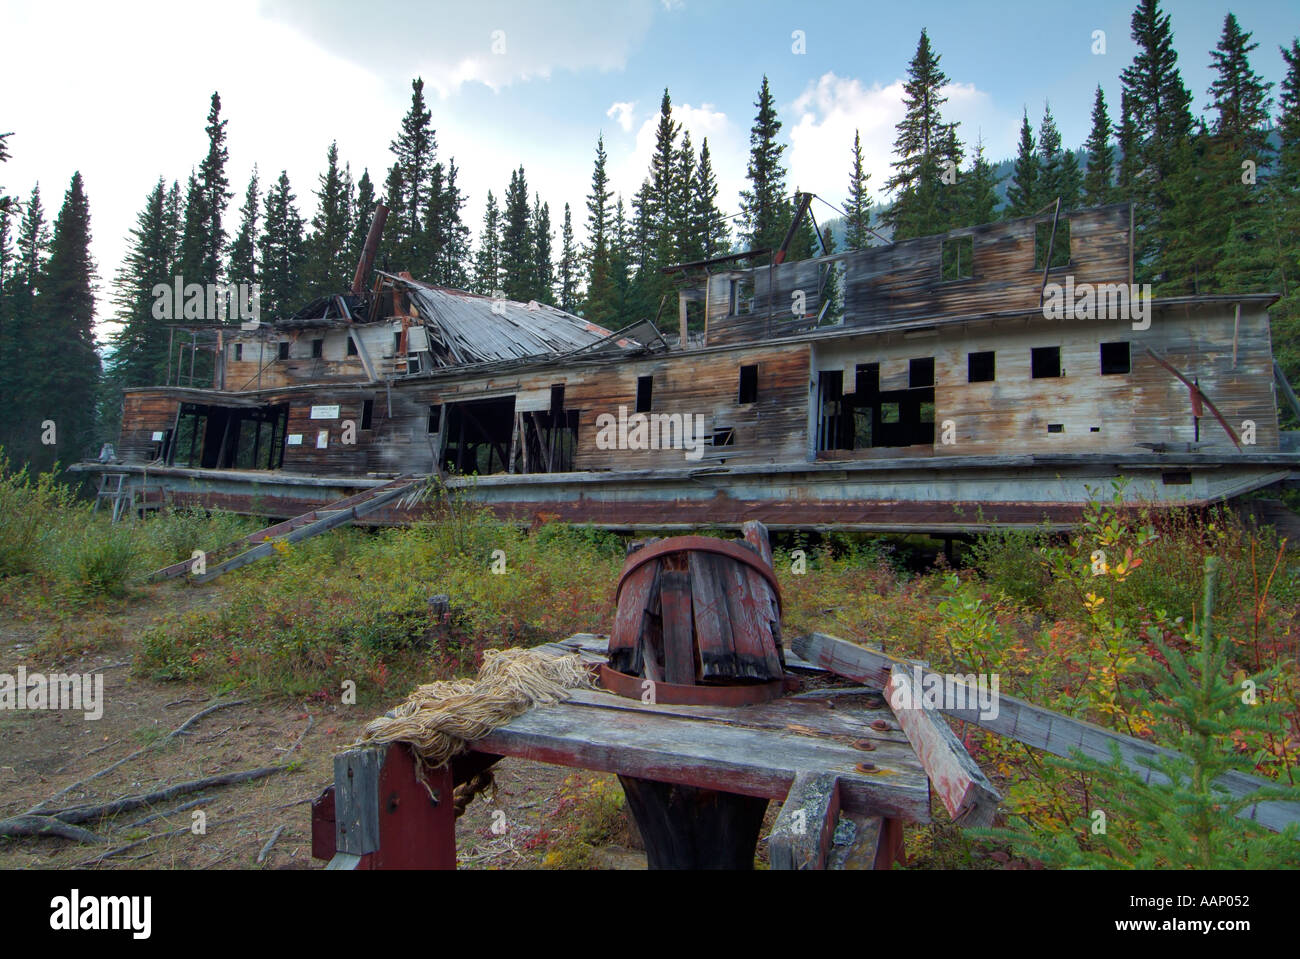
(695, 612)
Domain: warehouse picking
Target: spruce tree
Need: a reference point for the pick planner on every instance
(1160, 112)
(242, 267)
(64, 356)
(363, 213)
(539, 228)
(620, 268)
(487, 262)
(1097, 180)
(415, 149)
(764, 207)
(18, 388)
(449, 236)
(325, 268)
(683, 228)
(1284, 220)
(215, 188)
(1023, 191)
(600, 302)
(708, 221)
(857, 207)
(568, 269)
(281, 248)
(517, 266)
(139, 356)
(979, 187)
(1058, 175)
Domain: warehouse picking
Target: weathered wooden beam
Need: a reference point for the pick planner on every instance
(966, 792)
(801, 836)
(1038, 727)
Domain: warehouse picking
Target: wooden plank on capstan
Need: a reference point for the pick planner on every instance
(712, 755)
(749, 608)
(966, 792)
(679, 632)
(625, 636)
(755, 534)
(801, 836)
(1041, 728)
(713, 628)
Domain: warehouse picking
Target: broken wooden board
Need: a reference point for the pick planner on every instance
(1038, 727)
(965, 791)
(801, 837)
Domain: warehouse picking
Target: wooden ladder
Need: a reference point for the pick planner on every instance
(263, 542)
(113, 489)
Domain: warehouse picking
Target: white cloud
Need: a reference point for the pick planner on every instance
(623, 114)
(833, 107)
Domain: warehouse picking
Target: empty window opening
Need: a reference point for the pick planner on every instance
(748, 384)
(891, 412)
(1180, 478)
(557, 398)
(920, 373)
(958, 258)
(217, 437)
(1115, 358)
(1056, 427)
(317, 349)
(479, 434)
(1060, 245)
(367, 413)
(644, 388)
(742, 297)
(1045, 362)
(239, 352)
(724, 436)
(980, 367)
(435, 418)
(284, 349)
(352, 345)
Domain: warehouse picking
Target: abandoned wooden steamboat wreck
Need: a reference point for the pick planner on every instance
(993, 376)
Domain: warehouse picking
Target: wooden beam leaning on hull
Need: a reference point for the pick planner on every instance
(1035, 726)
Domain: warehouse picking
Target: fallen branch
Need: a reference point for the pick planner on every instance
(171, 812)
(99, 810)
(95, 860)
(45, 826)
(179, 730)
(269, 843)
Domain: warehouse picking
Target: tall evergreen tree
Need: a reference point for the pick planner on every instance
(568, 269)
(203, 242)
(64, 356)
(447, 234)
(326, 269)
(1023, 191)
(1159, 108)
(539, 231)
(764, 206)
(715, 238)
(363, 212)
(979, 189)
(242, 266)
(1097, 181)
(487, 262)
(415, 149)
(1059, 175)
(281, 247)
(600, 301)
(683, 227)
(927, 149)
(22, 330)
(517, 266)
(139, 356)
(1284, 225)
(857, 207)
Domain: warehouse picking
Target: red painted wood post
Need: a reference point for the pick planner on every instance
(416, 830)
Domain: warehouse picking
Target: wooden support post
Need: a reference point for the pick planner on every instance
(801, 838)
(685, 827)
(385, 817)
(967, 794)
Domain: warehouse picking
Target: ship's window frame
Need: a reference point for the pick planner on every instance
(318, 348)
(644, 393)
(741, 298)
(1111, 365)
(1056, 427)
(239, 353)
(284, 350)
(435, 419)
(952, 269)
(367, 413)
(1042, 359)
(920, 373)
(1060, 246)
(748, 392)
(976, 371)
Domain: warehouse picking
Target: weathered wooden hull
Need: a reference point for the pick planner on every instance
(948, 495)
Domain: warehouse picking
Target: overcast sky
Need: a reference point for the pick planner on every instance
(120, 90)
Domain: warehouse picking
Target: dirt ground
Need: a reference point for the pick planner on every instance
(45, 751)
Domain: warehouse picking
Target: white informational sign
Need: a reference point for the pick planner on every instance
(295, 439)
(325, 412)
(157, 436)
(322, 439)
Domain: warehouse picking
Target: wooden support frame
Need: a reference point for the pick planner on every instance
(966, 792)
(801, 837)
(1038, 727)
